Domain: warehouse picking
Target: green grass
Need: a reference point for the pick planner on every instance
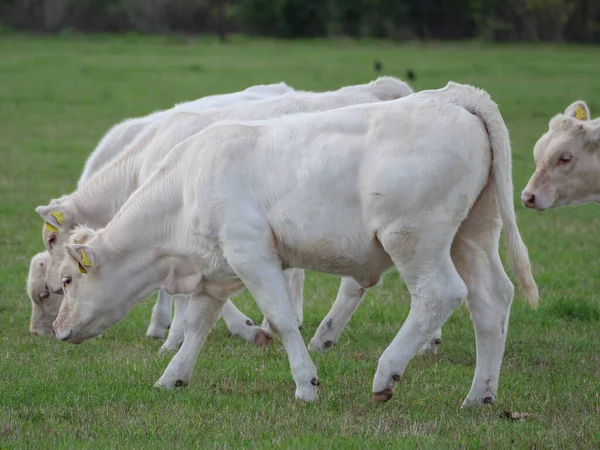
(58, 96)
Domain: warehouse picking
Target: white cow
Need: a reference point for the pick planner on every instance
(567, 161)
(103, 195)
(114, 142)
(422, 183)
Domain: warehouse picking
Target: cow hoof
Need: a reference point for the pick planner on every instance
(262, 338)
(168, 348)
(156, 331)
(382, 396)
(318, 344)
(308, 394)
(477, 401)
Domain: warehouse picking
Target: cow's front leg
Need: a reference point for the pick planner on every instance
(295, 283)
(260, 270)
(176, 332)
(202, 314)
(161, 316)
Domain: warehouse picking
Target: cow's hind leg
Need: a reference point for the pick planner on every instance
(475, 254)
(347, 301)
(422, 256)
(161, 316)
(348, 298)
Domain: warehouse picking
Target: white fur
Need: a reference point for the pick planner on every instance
(120, 135)
(422, 183)
(558, 183)
(99, 200)
(113, 143)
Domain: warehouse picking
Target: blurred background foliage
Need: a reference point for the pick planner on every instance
(496, 20)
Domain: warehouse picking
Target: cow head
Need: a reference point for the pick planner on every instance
(567, 160)
(100, 286)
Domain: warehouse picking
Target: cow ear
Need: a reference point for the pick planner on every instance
(53, 215)
(84, 255)
(578, 110)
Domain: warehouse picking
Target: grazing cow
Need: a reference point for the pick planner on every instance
(99, 200)
(114, 142)
(567, 161)
(44, 304)
(422, 183)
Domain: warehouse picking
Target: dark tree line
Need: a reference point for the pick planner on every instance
(530, 20)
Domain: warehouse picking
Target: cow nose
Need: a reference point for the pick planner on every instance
(528, 199)
(34, 333)
(62, 335)
(57, 291)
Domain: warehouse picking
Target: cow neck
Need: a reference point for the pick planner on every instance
(106, 192)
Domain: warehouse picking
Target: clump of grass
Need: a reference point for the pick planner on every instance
(575, 310)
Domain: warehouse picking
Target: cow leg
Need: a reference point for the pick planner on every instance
(240, 325)
(490, 297)
(348, 298)
(295, 282)
(423, 259)
(475, 255)
(489, 303)
(266, 282)
(161, 316)
(176, 332)
(201, 315)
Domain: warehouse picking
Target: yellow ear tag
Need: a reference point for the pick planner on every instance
(85, 260)
(51, 227)
(59, 216)
(580, 113)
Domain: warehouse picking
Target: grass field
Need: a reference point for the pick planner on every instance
(58, 96)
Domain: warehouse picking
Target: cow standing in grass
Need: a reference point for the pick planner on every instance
(422, 183)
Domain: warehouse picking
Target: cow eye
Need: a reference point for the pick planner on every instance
(564, 160)
(66, 281)
(52, 240)
(43, 295)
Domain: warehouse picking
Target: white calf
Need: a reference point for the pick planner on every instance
(99, 200)
(567, 161)
(422, 183)
(114, 142)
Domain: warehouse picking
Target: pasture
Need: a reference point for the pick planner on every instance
(59, 95)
